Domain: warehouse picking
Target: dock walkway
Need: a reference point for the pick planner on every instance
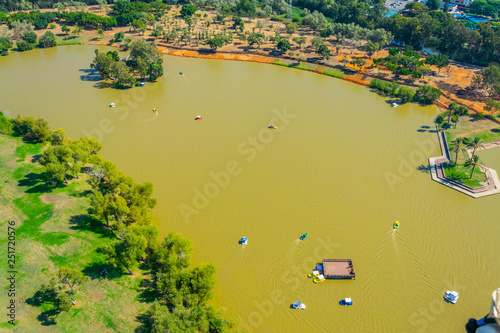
(490, 187)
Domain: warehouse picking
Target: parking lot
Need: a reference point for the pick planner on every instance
(396, 5)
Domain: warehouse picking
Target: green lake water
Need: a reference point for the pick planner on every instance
(342, 165)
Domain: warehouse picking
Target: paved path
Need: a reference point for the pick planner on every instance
(490, 186)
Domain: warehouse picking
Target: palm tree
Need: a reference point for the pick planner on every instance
(451, 109)
(474, 144)
(458, 146)
(474, 162)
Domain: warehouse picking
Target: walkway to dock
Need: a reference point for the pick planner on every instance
(490, 186)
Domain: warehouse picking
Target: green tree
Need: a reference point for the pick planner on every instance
(77, 31)
(103, 63)
(65, 29)
(474, 144)
(473, 162)
(30, 37)
(434, 4)
(451, 110)
(490, 80)
(405, 94)
(217, 41)
(492, 105)
(323, 51)
(71, 278)
(127, 252)
(188, 10)
(57, 137)
(371, 48)
(291, 27)
(23, 45)
(457, 145)
(300, 40)
(119, 36)
(439, 61)
(283, 45)
(5, 45)
(31, 129)
(100, 32)
(255, 38)
(47, 40)
(316, 42)
(238, 22)
(427, 94)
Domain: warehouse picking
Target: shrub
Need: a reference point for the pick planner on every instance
(30, 37)
(52, 26)
(47, 40)
(427, 94)
(439, 119)
(416, 74)
(23, 45)
(394, 51)
(406, 94)
(5, 45)
(392, 67)
(403, 71)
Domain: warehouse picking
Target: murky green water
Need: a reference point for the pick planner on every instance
(342, 165)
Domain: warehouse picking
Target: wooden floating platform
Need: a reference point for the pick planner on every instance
(338, 269)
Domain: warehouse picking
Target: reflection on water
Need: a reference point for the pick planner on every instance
(342, 165)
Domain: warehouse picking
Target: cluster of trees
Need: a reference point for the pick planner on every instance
(61, 290)
(460, 144)
(452, 115)
(138, 13)
(485, 7)
(182, 292)
(28, 41)
(425, 94)
(145, 61)
(409, 62)
(488, 81)
(394, 89)
(30, 129)
(5, 45)
(432, 29)
(85, 19)
(38, 19)
(68, 158)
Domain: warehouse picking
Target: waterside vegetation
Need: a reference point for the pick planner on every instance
(90, 252)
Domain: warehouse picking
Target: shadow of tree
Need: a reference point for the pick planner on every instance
(91, 75)
(495, 130)
(48, 317)
(86, 222)
(144, 327)
(38, 183)
(95, 270)
(147, 292)
(424, 168)
(81, 194)
(35, 158)
(103, 85)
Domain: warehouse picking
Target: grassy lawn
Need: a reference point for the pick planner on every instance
(71, 40)
(485, 129)
(461, 174)
(54, 230)
(312, 68)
